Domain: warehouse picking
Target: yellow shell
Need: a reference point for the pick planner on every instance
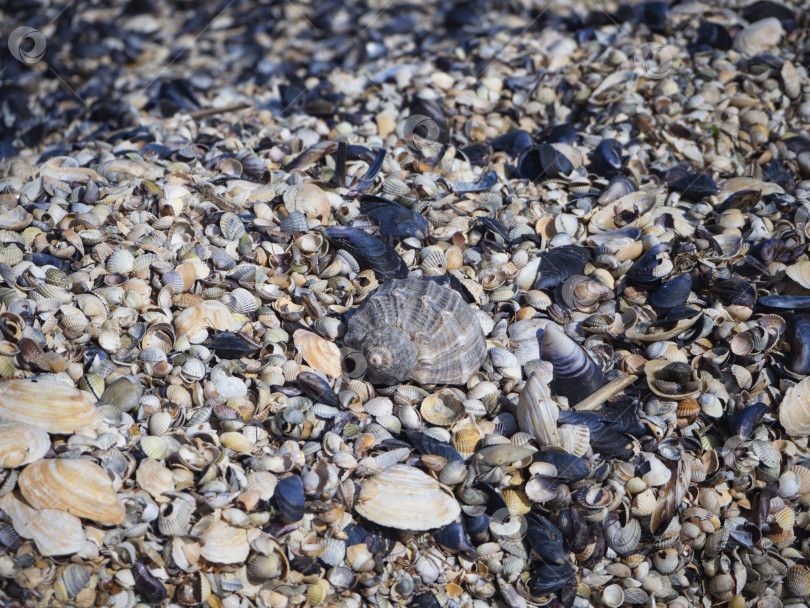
(211, 314)
(154, 478)
(80, 487)
(318, 353)
(47, 404)
(21, 444)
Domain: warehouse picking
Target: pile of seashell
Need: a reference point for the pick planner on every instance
(296, 355)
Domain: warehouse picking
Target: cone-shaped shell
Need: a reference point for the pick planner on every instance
(537, 413)
(21, 444)
(318, 353)
(80, 487)
(211, 314)
(794, 412)
(47, 404)
(405, 498)
(419, 330)
(54, 532)
(575, 374)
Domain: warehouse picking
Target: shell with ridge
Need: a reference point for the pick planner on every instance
(55, 532)
(575, 374)
(21, 444)
(405, 498)
(794, 411)
(417, 330)
(536, 412)
(80, 487)
(47, 404)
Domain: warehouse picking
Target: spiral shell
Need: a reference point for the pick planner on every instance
(418, 330)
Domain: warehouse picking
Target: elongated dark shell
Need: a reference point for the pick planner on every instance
(786, 302)
(607, 157)
(369, 251)
(559, 263)
(228, 345)
(672, 293)
(545, 539)
(570, 468)
(289, 496)
(547, 578)
(430, 446)
(543, 162)
(575, 374)
(695, 186)
(317, 388)
(800, 343)
(396, 221)
(644, 270)
(419, 330)
(147, 585)
(513, 142)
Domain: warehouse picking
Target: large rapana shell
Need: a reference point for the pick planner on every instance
(794, 412)
(211, 314)
(536, 413)
(47, 404)
(222, 544)
(55, 532)
(80, 487)
(21, 444)
(405, 498)
(418, 330)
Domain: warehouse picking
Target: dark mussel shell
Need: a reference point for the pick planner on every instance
(786, 302)
(766, 8)
(379, 540)
(560, 134)
(695, 186)
(618, 186)
(430, 446)
(317, 388)
(542, 161)
(744, 200)
(477, 526)
(800, 343)
(477, 154)
(743, 422)
(606, 159)
(433, 110)
(453, 537)
(451, 281)
(545, 539)
(43, 259)
(426, 599)
(576, 376)
(559, 263)
(370, 252)
(620, 417)
(672, 293)
(654, 14)
(395, 220)
(549, 578)
(714, 36)
(230, 345)
(570, 468)
(513, 142)
(735, 292)
(644, 270)
(289, 498)
(152, 590)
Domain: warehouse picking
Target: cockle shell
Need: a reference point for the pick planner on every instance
(80, 487)
(211, 314)
(405, 498)
(419, 330)
(794, 411)
(47, 404)
(21, 444)
(55, 532)
(318, 352)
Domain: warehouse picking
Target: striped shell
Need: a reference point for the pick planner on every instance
(47, 404)
(419, 330)
(21, 444)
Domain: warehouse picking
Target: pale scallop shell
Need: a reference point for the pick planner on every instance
(405, 498)
(47, 404)
(794, 412)
(221, 543)
(21, 444)
(210, 314)
(55, 532)
(77, 486)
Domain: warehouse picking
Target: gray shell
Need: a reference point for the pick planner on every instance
(418, 330)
